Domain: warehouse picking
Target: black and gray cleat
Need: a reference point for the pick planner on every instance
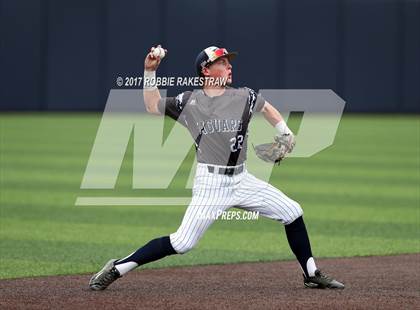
(105, 277)
(322, 281)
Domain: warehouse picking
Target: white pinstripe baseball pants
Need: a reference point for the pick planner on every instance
(213, 193)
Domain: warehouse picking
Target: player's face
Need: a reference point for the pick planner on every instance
(221, 68)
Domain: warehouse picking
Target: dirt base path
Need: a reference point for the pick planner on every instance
(391, 282)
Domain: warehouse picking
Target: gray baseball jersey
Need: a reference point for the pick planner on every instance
(218, 125)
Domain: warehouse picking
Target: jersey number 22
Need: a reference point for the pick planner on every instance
(236, 143)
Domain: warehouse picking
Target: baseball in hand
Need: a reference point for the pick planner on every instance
(159, 52)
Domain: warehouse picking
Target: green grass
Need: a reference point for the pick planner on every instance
(360, 197)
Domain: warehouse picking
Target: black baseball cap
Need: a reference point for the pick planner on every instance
(210, 55)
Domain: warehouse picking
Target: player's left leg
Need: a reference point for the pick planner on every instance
(257, 195)
(260, 196)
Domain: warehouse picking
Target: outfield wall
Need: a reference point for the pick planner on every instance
(66, 55)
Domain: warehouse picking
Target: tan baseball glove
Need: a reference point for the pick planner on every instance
(276, 151)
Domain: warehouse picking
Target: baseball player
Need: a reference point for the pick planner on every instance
(217, 117)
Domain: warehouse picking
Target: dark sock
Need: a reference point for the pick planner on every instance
(299, 242)
(154, 250)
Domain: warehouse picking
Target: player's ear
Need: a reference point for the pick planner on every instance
(205, 71)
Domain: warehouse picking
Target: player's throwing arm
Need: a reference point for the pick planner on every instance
(151, 93)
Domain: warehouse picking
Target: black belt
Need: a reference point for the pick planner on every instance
(226, 171)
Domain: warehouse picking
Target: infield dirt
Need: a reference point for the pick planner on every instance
(387, 282)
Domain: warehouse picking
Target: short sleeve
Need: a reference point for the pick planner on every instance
(255, 100)
(260, 103)
(173, 106)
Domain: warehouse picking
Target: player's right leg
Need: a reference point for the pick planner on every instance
(116, 268)
(193, 227)
(212, 195)
(201, 213)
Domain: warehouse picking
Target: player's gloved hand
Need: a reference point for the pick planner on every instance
(287, 140)
(276, 151)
